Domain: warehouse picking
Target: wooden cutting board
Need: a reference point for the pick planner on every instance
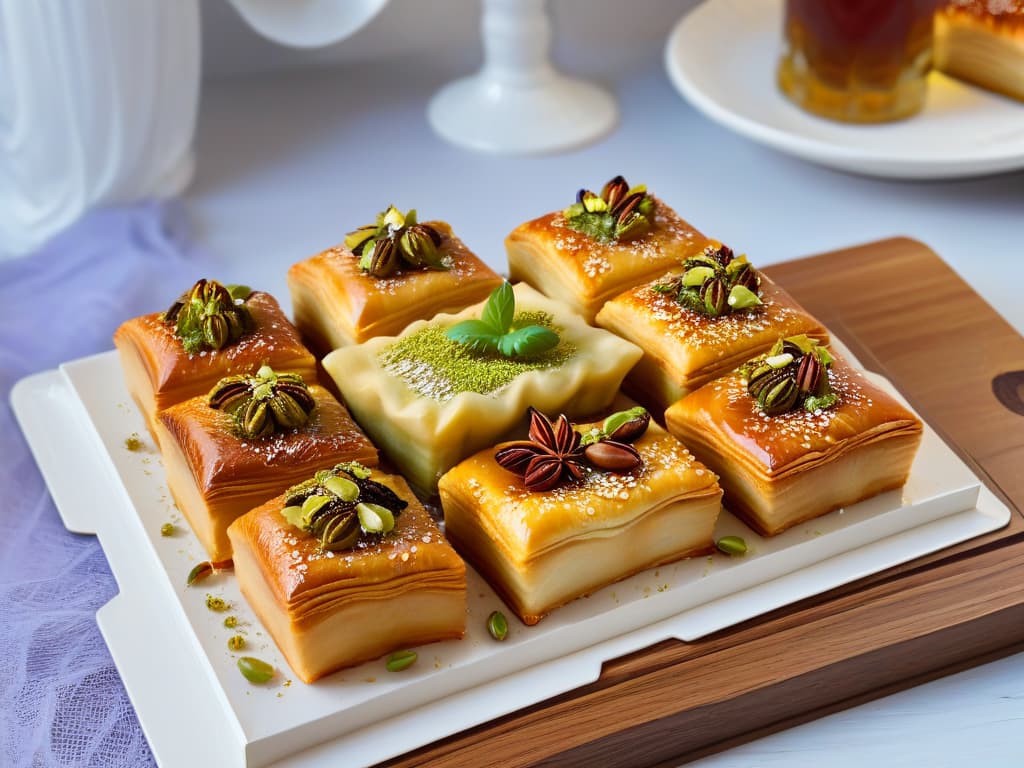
(906, 315)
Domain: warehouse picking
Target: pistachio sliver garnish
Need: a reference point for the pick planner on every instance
(497, 625)
(697, 276)
(344, 489)
(199, 572)
(374, 518)
(312, 504)
(400, 660)
(255, 670)
(741, 297)
(732, 545)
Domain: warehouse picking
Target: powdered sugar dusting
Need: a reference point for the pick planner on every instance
(721, 333)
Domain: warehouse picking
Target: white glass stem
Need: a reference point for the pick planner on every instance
(518, 102)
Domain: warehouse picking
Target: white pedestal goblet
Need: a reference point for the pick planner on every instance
(518, 103)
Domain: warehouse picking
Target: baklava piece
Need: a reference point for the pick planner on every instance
(796, 434)
(447, 387)
(212, 331)
(600, 246)
(700, 323)
(385, 276)
(248, 440)
(982, 41)
(346, 567)
(570, 510)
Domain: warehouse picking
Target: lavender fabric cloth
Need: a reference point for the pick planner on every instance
(61, 699)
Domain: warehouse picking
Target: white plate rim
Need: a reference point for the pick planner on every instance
(995, 158)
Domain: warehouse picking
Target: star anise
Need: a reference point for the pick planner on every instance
(550, 457)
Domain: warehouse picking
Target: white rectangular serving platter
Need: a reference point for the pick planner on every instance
(197, 709)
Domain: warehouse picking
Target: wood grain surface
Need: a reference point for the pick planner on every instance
(907, 315)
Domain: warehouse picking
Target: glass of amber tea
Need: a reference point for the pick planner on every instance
(858, 61)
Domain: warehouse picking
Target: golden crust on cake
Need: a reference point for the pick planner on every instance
(684, 349)
(335, 303)
(781, 470)
(215, 475)
(542, 549)
(159, 372)
(329, 610)
(583, 272)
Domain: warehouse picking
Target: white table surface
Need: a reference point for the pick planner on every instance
(287, 163)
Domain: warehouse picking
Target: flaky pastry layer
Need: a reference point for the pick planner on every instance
(336, 304)
(329, 610)
(215, 475)
(780, 470)
(159, 373)
(541, 550)
(684, 349)
(583, 272)
(973, 43)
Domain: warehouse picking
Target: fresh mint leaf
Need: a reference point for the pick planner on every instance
(475, 334)
(499, 309)
(531, 340)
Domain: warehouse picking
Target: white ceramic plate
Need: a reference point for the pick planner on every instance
(171, 650)
(722, 58)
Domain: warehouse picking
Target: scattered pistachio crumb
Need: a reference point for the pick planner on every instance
(133, 442)
(215, 603)
(167, 529)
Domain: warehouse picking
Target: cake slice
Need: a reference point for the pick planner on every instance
(365, 573)
(600, 246)
(229, 451)
(982, 41)
(797, 434)
(572, 509)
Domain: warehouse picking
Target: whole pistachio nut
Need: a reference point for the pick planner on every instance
(779, 398)
(715, 296)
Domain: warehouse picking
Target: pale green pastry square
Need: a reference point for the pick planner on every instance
(414, 393)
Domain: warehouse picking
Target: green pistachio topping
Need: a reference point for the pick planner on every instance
(792, 375)
(733, 546)
(497, 331)
(396, 241)
(497, 625)
(264, 403)
(401, 660)
(255, 670)
(434, 366)
(620, 212)
(715, 283)
(210, 316)
(342, 506)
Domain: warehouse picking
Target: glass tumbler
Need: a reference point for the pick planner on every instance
(857, 61)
